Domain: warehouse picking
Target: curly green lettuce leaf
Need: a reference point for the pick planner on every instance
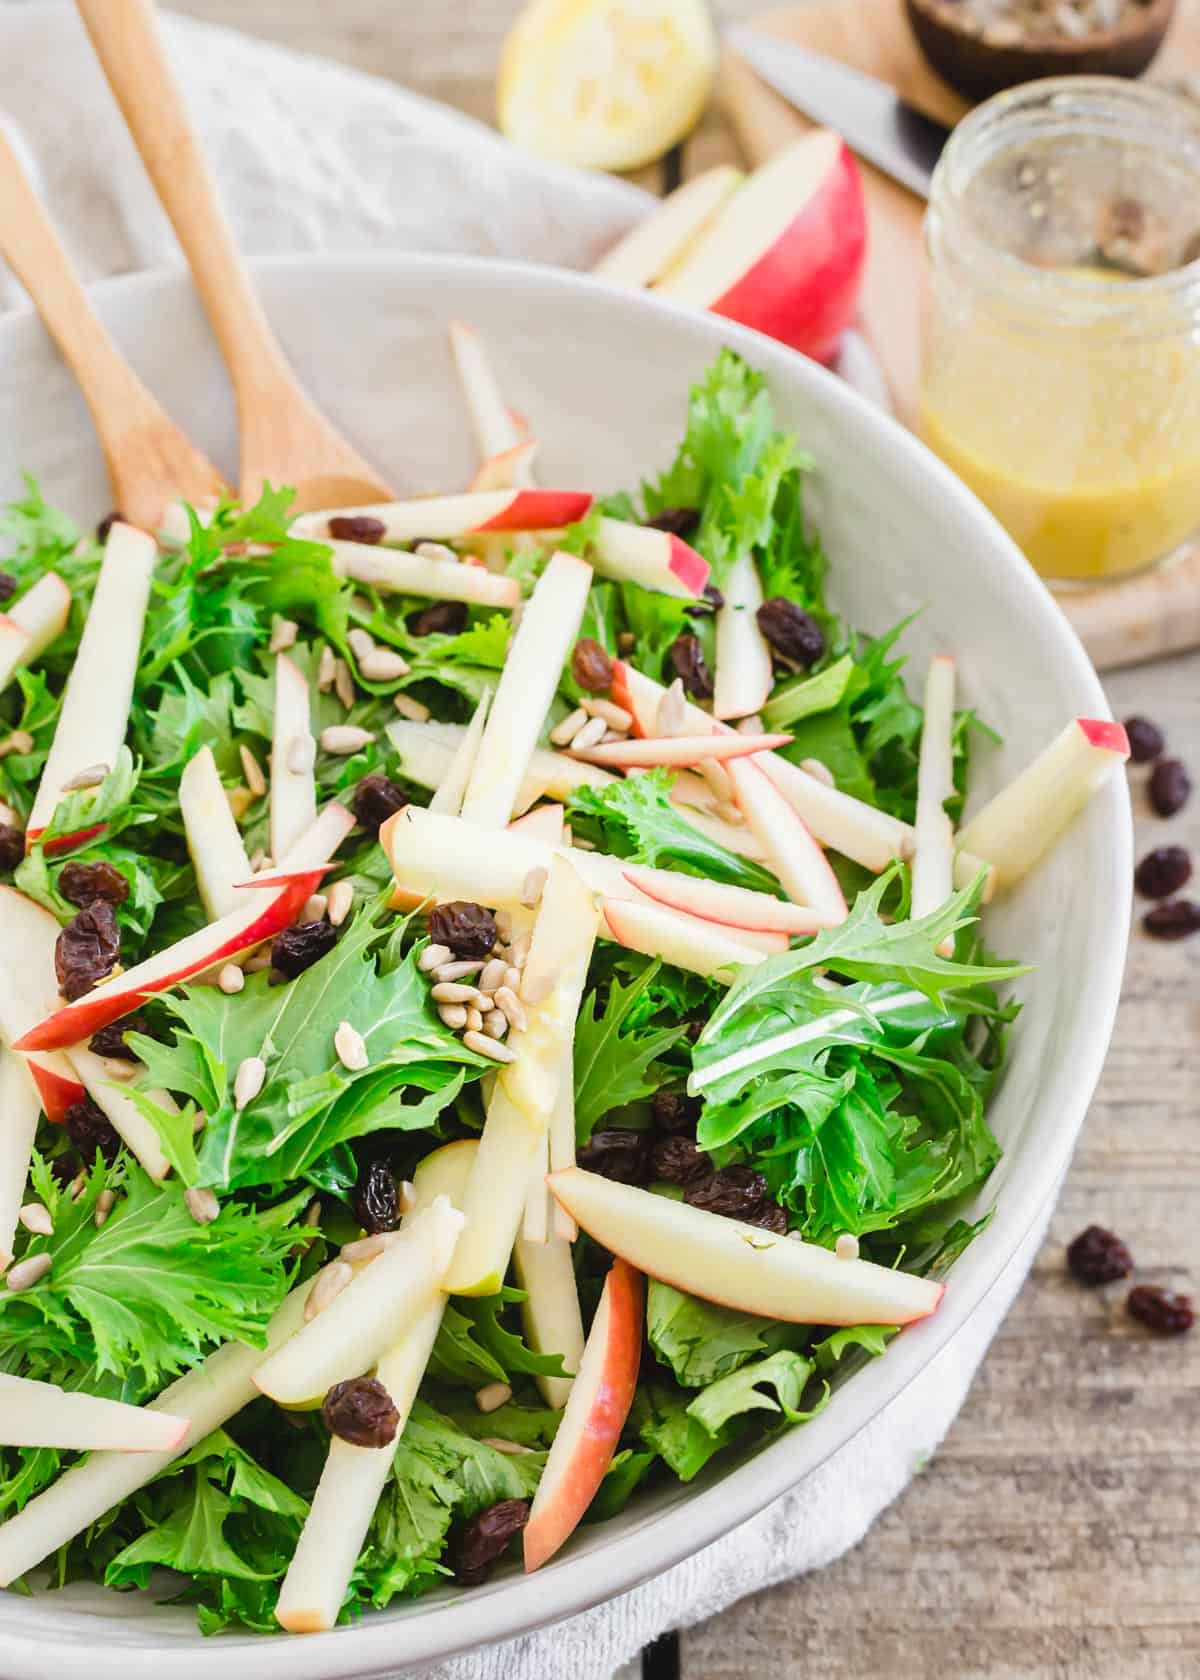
(617, 1052)
(702, 1341)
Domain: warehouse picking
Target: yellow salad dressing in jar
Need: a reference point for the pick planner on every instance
(1061, 376)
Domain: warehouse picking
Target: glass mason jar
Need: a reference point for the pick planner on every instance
(1061, 373)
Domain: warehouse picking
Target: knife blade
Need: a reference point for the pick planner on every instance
(869, 115)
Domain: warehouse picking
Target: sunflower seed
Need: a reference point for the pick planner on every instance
(846, 1247)
(484, 1046)
(343, 684)
(509, 1005)
(818, 771)
(492, 1396)
(250, 1078)
(257, 861)
(453, 1016)
(361, 644)
(89, 778)
(28, 1273)
(328, 1286)
(36, 1218)
(752, 725)
(518, 955)
(199, 1123)
(366, 1248)
(385, 665)
(340, 903)
(312, 1213)
(511, 1449)
(105, 1202)
(20, 741)
(326, 669)
(563, 734)
(436, 551)
(591, 735)
(494, 1023)
(456, 970)
(301, 754)
(239, 800)
(411, 709)
(730, 814)
(616, 717)
(252, 770)
(504, 927)
(533, 886)
(77, 1186)
(231, 979)
(342, 739)
(283, 635)
(120, 1070)
(433, 956)
(452, 991)
(493, 976)
(474, 1018)
(671, 718)
(408, 1196)
(314, 910)
(258, 962)
(203, 1206)
(537, 990)
(351, 1048)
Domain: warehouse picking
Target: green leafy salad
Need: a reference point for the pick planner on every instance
(494, 1015)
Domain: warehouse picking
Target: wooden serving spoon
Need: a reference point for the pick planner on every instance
(150, 462)
(284, 437)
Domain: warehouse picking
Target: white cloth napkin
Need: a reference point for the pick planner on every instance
(311, 156)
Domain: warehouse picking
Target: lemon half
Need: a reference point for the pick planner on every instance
(606, 84)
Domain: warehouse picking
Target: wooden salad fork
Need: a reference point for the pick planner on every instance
(284, 436)
(150, 462)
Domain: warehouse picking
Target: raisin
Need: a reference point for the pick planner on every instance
(678, 1160)
(711, 601)
(770, 1217)
(793, 634)
(376, 1197)
(1176, 919)
(676, 521)
(1163, 871)
(90, 1129)
(1097, 1256)
(84, 883)
(376, 798)
(64, 1167)
(737, 1192)
(464, 928)
(689, 664)
(675, 1112)
(12, 846)
(446, 618)
(107, 523)
(8, 587)
(1146, 739)
(1170, 787)
(591, 666)
(110, 1040)
(357, 527)
(298, 948)
(87, 950)
(1161, 1310)
(362, 1412)
(619, 1154)
(477, 1545)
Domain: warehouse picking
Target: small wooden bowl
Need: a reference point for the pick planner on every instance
(979, 68)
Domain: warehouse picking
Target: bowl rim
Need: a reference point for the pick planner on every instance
(373, 1645)
(1134, 26)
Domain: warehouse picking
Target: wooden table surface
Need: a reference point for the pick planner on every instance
(1057, 1534)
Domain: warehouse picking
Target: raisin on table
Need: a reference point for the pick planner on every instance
(1163, 871)
(1169, 787)
(1098, 1256)
(1161, 1310)
(1146, 740)
(84, 883)
(361, 1412)
(478, 1544)
(376, 1197)
(87, 949)
(467, 929)
(1177, 919)
(618, 1153)
(298, 948)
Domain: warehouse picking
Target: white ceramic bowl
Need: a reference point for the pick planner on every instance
(603, 377)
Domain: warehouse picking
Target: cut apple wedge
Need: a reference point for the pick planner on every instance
(370, 1315)
(20, 1110)
(94, 713)
(595, 1415)
(395, 572)
(658, 751)
(737, 1265)
(714, 952)
(511, 467)
(495, 429)
(536, 656)
(205, 1398)
(453, 783)
(744, 675)
(732, 907)
(56, 1083)
(518, 1115)
(657, 560)
(126, 1119)
(31, 624)
(802, 867)
(550, 1312)
(214, 842)
(786, 254)
(427, 753)
(1025, 819)
(561, 1141)
(665, 236)
(293, 757)
(933, 854)
(537, 1219)
(543, 824)
(444, 518)
(39, 1414)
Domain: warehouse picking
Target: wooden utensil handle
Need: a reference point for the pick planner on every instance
(129, 45)
(36, 256)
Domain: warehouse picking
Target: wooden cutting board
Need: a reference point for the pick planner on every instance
(1120, 623)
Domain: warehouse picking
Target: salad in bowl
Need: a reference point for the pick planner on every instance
(496, 1012)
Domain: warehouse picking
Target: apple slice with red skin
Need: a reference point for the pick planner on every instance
(507, 470)
(595, 1415)
(1023, 821)
(214, 842)
(663, 238)
(32, 624)
(40, 1414)
(680, 940)
(737, 1265)
(19, 1112)
(396, 572)
(713, 901)
(57, 1085)
(786, 254)
(802, 867)
(744, 678)
(657, 560)
(293, 791)
(427, 752)
(444, 518)
(544, 823)
(670, 750)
